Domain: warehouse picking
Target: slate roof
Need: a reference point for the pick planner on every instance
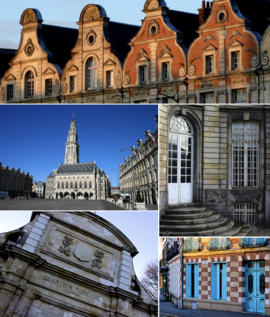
(5, 56)
(84, 168)
(187, 23)
(59, 41)
(121, 34)
(257, 11)
(52, 175)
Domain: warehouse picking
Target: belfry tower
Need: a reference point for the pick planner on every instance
(72, 146)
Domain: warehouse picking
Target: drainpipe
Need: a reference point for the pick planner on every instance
(258, 82)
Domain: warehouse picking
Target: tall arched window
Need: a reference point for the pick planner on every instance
(85, 185)
(62, 184)
(29, 84)
(91, 72)
(90, 185)
(66, 184)
(80, 184)
(71, 185)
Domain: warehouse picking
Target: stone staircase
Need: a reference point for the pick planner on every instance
(194, 220)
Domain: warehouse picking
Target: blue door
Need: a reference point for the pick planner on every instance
(255, 286)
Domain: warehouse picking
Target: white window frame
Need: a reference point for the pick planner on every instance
(72, 83)
(26, 81)
(234, 47)
(207, 95)
(234, 94)
(253, 143)
(88, 71)
(46, 87)
(143, 74)
(8, 92)
(109, 78)
(208, 51)
(166, 69)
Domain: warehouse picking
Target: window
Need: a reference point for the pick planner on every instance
(48, 87)
(142, 74)
(73, 83)
(245, 154)
(109, 78)
(29, 84)
(76, 185)
(90, 185)
(92, 73)
(245, 212)
(235, 60)
(9, 92)
(219, 281)
(209, 63)
(80, 184)
(192, 280)
(207, 98)
(71, 185)
(239, 95)
(166, 71)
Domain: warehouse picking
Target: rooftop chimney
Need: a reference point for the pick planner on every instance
(204, 12)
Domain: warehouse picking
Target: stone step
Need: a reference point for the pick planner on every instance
(184, 210)
(184, 205)
(194, 227)
(173, 222)
(196, 215)
(209, 232)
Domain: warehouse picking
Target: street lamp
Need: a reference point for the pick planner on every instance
(134, 195)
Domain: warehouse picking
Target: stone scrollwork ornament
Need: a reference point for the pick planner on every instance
(255, 61)
(265, 58)
(118, 78)
(222, 15)
(2, 94)
(29, 48)
(66, 248)
(182, 72)
(126, 80)
(192, 70)
(99, 259)
(64, 87)
(57, 86)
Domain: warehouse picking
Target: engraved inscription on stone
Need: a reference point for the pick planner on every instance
(66, 248)
(99, 259)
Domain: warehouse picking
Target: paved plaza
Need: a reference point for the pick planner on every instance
(168, 309)
(61, 204)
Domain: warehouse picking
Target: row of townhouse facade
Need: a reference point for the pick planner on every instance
(222, 274)
(220, 55)
(15, 182)
(140, 171)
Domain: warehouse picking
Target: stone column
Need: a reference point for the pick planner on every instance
(153, 61)
(222, 36)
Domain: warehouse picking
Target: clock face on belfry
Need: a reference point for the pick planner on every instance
(71, 138)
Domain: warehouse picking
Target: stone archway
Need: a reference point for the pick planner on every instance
(72, 195)
(79, 195)
(66, 194)
(153, 194)
(86, 196)
(91, 195)
(56, 195)
(61, 195)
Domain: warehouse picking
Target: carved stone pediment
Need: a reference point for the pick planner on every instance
(165, 52)
(209, 47)
(10, 77)
(48, 71)
(72, 68)
(235, 43)
(109, 62)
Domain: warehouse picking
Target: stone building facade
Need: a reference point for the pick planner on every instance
(70, 264)
(216, 156)
(140, 170)
(75, 180)
(219, 55)
(39, 189)
(224, 274)
(15, 182)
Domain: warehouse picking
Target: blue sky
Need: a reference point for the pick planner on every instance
(33, 137)
(128, 222)
(67, 12)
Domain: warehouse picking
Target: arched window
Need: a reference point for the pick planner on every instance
(91, 73)
(71, 185)
(66, 184)
(76, 185)
(90, 185)
(80, 184)
(29, 84)
(85, 185)
(62, 184)
(58, 185)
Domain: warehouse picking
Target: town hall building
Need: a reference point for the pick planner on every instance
(75, 180)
